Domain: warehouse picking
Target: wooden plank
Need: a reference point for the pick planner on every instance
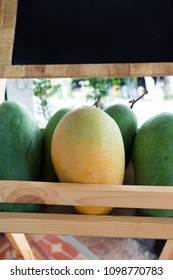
(8, 31)
(87, 225)
(2, 11)
(125, 196)
(21, 246)
(167, 251)
(82, 70)
(17, 71)
(10, 14)
(88, 70)
(5, 55)
(151, 69)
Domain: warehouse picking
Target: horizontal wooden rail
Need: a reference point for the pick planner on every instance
(86, 70)
(87, 225)
(125, 196)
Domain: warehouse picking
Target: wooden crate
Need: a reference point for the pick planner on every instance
(64, 221)
(61, 219)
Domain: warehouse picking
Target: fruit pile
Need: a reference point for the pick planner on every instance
(85, 145)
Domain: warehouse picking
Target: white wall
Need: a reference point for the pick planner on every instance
(2, 89)
(21, 90)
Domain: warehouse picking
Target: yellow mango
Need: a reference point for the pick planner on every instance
(87, 147)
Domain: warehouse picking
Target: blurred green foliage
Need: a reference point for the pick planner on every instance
(43, 89)
(100, 86)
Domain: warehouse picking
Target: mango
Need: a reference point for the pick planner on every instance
(153, 156)
(87, 147)
(48, 173)
(128, 125)
(20, 148)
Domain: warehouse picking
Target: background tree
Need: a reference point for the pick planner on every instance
(100, 87)
(44, 90)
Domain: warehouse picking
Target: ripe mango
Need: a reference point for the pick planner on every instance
(87, 147)
(128, 125)
(20, 149)
(153, 156)
(48, 173)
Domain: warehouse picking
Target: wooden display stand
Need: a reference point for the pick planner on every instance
(127, 196)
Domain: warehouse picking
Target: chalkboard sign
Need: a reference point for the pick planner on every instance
(93, 31)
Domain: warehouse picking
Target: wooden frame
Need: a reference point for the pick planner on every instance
(21, 246)
(125, 196)
(8, 10)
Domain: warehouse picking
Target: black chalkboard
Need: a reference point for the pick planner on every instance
(93, 31)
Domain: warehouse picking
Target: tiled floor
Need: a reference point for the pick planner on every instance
(51, 247)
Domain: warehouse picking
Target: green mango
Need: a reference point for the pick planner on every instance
(153, 156)
(20, 149)
(47, 170)
(128, 125)
(20, 207)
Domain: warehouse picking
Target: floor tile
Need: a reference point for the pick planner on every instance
(57, 247)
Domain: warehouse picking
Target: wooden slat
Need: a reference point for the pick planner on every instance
(8, 31)
(2, 11)
(87, 225)
(89, 70)
(85, 70)
(16, 71)
(80, 70)
(21, 246)
(85, 194)
(151, 69)
(167, 251)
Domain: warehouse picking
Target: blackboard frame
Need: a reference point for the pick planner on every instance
(8, 14)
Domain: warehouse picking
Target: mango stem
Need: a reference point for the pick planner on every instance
(133, 101)
(97, 103)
